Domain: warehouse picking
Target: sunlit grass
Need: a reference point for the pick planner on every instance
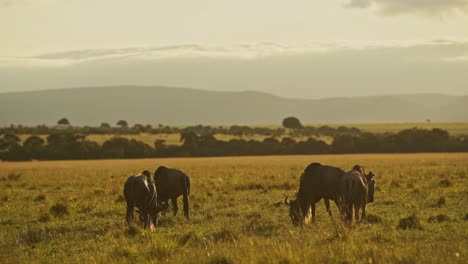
(73, 211)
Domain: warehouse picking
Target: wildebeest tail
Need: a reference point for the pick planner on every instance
(185, 181)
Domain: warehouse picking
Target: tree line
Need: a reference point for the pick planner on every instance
(291, 125)
(67, 145)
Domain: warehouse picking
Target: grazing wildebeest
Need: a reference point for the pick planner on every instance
(140, 192)
(170, 184)
(358, 190)
(317, 181)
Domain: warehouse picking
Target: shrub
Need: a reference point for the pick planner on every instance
(440, 202)
(438, 218)
(445, 183)
(59, 210)
(44, 215)
(14, 176)
(133, 231)
(40, 197)
(33, 235)
(410, 222)
(374, 219)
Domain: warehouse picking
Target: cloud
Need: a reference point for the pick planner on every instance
(425, 7)
(236, 52)
(319, 69)
(250, 51)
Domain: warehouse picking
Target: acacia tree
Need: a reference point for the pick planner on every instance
(292, 123)
(122, 123)
(63, 122)
(105, 125)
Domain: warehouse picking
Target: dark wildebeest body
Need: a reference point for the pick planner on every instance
(140, 192)
(170, 184)
(318, 181)
(358, 190)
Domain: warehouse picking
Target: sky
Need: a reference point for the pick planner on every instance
(301, 49)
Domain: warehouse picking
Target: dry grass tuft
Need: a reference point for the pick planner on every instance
(438, 218)
(410, 222)
(59, 210)
(445, 183)
(40, 197)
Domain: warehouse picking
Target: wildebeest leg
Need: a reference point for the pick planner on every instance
(349, 212)
(327, 205)
(356, 212)
(155, 220)
(363, 215)
(363, 206)
(129, 213)
(175, 208)
(145, 217)
(313, 212)
(186, 205)
(165, 206)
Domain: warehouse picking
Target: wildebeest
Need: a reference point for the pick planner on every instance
(140, 192)
(170, 184)
(358, 190)
(317, 181)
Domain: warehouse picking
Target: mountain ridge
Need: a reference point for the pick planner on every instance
(188, 106)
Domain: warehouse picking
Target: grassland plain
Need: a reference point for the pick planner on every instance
(73, 211)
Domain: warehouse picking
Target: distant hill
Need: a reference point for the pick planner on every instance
(182, 106)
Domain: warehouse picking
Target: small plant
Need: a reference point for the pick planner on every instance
(40, 197)
(190, 238)
(59, 210)
(44, 216)
(260, 227)
(374, 219)
(394, 184)
(224, 235)
(440, 202)
(99, 192)
(133, 231)
(162, 249)
(220, 260)
(4, 198)
(438, 218)
(33, 235)
(14, 176)
(445, 183)
(410, 222)
(122, 252)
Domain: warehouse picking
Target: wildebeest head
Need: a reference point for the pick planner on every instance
(370, 187)
(295, 212)
(146, 173)
(360, 169)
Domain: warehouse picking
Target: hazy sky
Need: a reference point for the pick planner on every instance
(310, 48)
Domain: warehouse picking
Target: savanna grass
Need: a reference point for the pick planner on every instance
(74, 211)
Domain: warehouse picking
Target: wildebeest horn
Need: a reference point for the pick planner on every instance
(286, 200)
